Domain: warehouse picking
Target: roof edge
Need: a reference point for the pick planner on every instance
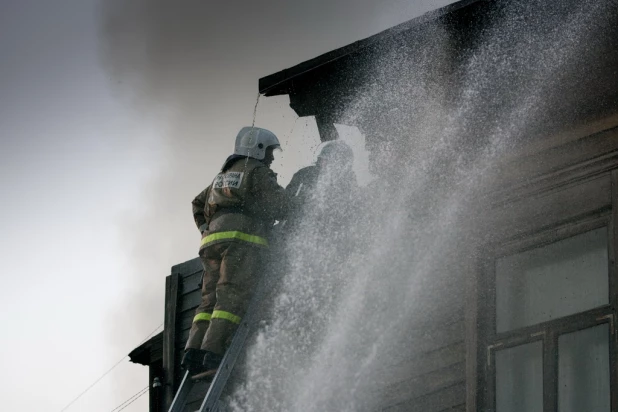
(274, 84)
(144, 353)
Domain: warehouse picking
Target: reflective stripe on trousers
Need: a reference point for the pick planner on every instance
(202, 316)
(221, 314)
(234, 235)
(217, 314)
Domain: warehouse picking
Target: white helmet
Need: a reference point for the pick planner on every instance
(335, 152)
(253, 142)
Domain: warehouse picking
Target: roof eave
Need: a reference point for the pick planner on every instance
(281, 82)
(147, 352)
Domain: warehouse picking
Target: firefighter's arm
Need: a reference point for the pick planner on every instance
(294, 189)
(270, 193)
(199, 205)
(293, 186)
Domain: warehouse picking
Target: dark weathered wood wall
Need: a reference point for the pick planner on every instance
(437, 368)
(540, 197)
(181, 298)
(189, 298)
(430, 376)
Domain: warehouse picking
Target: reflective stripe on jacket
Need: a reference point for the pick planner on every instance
(241, 204)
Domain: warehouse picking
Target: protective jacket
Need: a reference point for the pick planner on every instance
(301, 188)
(311, 184)
(241, 204)
(234, 214)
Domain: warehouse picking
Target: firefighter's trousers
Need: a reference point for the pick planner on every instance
(230, 272)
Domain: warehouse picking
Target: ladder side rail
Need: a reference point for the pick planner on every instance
(251, 319)
(180, 400)
(210, 403)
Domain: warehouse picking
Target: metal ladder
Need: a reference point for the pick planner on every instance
(211, 400)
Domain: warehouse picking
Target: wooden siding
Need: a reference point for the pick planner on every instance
(189, 297)
(428, 370)
(543, 191)
(169, 337)
(562, 189)
(557, 185)
(437, 370)
(431, 366)
(181, 288)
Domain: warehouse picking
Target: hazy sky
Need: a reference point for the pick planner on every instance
(113, 116)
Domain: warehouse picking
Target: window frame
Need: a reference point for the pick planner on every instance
(548, 332)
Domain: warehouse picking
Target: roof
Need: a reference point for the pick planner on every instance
(148, 352)
(280, 82)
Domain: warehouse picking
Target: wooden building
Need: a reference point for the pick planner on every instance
(535, 329)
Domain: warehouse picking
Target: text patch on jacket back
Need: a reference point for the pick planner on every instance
(229, 179)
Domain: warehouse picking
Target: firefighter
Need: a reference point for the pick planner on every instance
(320, 236)
(330, 183)
(234, 215)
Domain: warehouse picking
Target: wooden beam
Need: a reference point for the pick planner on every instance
(326, 128)
(613, 287)
(471, 330)
(172, 285)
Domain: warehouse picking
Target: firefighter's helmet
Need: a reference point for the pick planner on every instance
(335, 152)
(253, 142)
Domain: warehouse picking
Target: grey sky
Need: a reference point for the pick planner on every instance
(104, 142)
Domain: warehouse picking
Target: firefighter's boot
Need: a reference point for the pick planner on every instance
(210, 366)
(193, 360)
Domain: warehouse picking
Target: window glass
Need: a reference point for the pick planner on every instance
(519, 378)
(583, 379)
(560, 279)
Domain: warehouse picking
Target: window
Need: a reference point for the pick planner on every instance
(549, 331)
